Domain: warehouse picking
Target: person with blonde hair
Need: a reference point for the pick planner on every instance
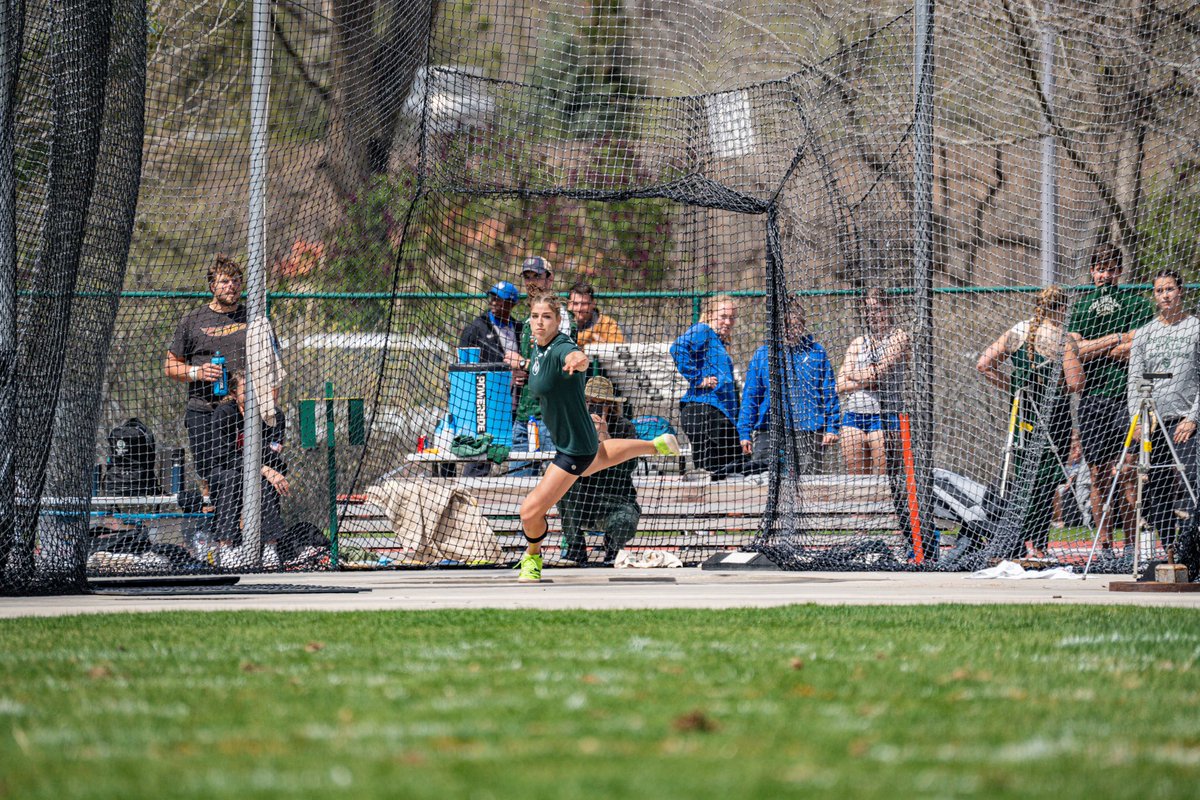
(871, 380)
(708, 410)
(557, 376)
(1045, 368)
(538, 277)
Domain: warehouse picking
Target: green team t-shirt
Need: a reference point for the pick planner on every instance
(1102, 312)
(560, 394)
(527, 404)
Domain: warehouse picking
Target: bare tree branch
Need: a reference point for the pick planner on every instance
(298, 61)
(987, 203)
(1107, 194)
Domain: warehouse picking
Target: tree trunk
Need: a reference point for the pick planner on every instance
(378, 45)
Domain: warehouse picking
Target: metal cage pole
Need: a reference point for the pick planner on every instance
(256, 286)
(922, 416)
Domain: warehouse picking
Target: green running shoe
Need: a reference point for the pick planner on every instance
(666, 444)
(531, 568)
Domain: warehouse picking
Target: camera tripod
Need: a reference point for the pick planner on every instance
(1146, 419)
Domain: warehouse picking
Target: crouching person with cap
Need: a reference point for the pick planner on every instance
(607, 501)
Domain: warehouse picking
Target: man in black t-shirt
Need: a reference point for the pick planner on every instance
(219, 326)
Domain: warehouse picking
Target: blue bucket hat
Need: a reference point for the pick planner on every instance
(505, 291)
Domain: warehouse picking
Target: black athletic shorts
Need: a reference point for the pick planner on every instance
(1103, 423)
(575, 465)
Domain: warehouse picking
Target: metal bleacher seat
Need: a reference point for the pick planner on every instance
(645, 374)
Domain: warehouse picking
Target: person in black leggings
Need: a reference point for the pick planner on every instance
(557, 376)
(708, 410)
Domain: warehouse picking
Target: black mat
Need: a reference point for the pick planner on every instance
(215, 589)
(641, 579)
(125, 582)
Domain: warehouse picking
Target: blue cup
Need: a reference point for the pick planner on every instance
(468, 355)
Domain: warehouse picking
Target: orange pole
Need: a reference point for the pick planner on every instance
(910, 481)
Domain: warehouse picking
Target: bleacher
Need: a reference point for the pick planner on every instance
(644, 374)
(692, 518)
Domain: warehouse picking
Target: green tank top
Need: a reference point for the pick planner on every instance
(527, 404)
(1039, 379)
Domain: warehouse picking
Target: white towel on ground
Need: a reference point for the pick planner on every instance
(1010, 570)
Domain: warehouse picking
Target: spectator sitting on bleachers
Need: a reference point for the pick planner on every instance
(811, 406)
(607, 501)
(708, 410)
(594, 327)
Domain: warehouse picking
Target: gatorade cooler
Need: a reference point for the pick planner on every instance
(481, 400)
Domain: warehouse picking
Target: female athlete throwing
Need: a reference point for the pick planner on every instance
(557, 375)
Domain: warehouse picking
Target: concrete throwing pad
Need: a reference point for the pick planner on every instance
(592, 588)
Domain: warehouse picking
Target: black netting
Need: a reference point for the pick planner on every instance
(849, 217)
(75, 118)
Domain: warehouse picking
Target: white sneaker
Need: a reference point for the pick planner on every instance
(242, 557)
(228, 556)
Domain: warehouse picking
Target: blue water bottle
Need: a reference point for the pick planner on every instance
(221, 387)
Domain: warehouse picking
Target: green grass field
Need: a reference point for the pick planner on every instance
(852, 702)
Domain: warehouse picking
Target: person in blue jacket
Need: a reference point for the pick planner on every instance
(708, 409)
(813, 415)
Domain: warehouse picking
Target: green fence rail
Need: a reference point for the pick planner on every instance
(696, 298)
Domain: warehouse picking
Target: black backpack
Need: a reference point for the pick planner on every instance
(132, 457)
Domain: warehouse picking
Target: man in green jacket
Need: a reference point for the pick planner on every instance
(539, 279)
(1100, 323)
